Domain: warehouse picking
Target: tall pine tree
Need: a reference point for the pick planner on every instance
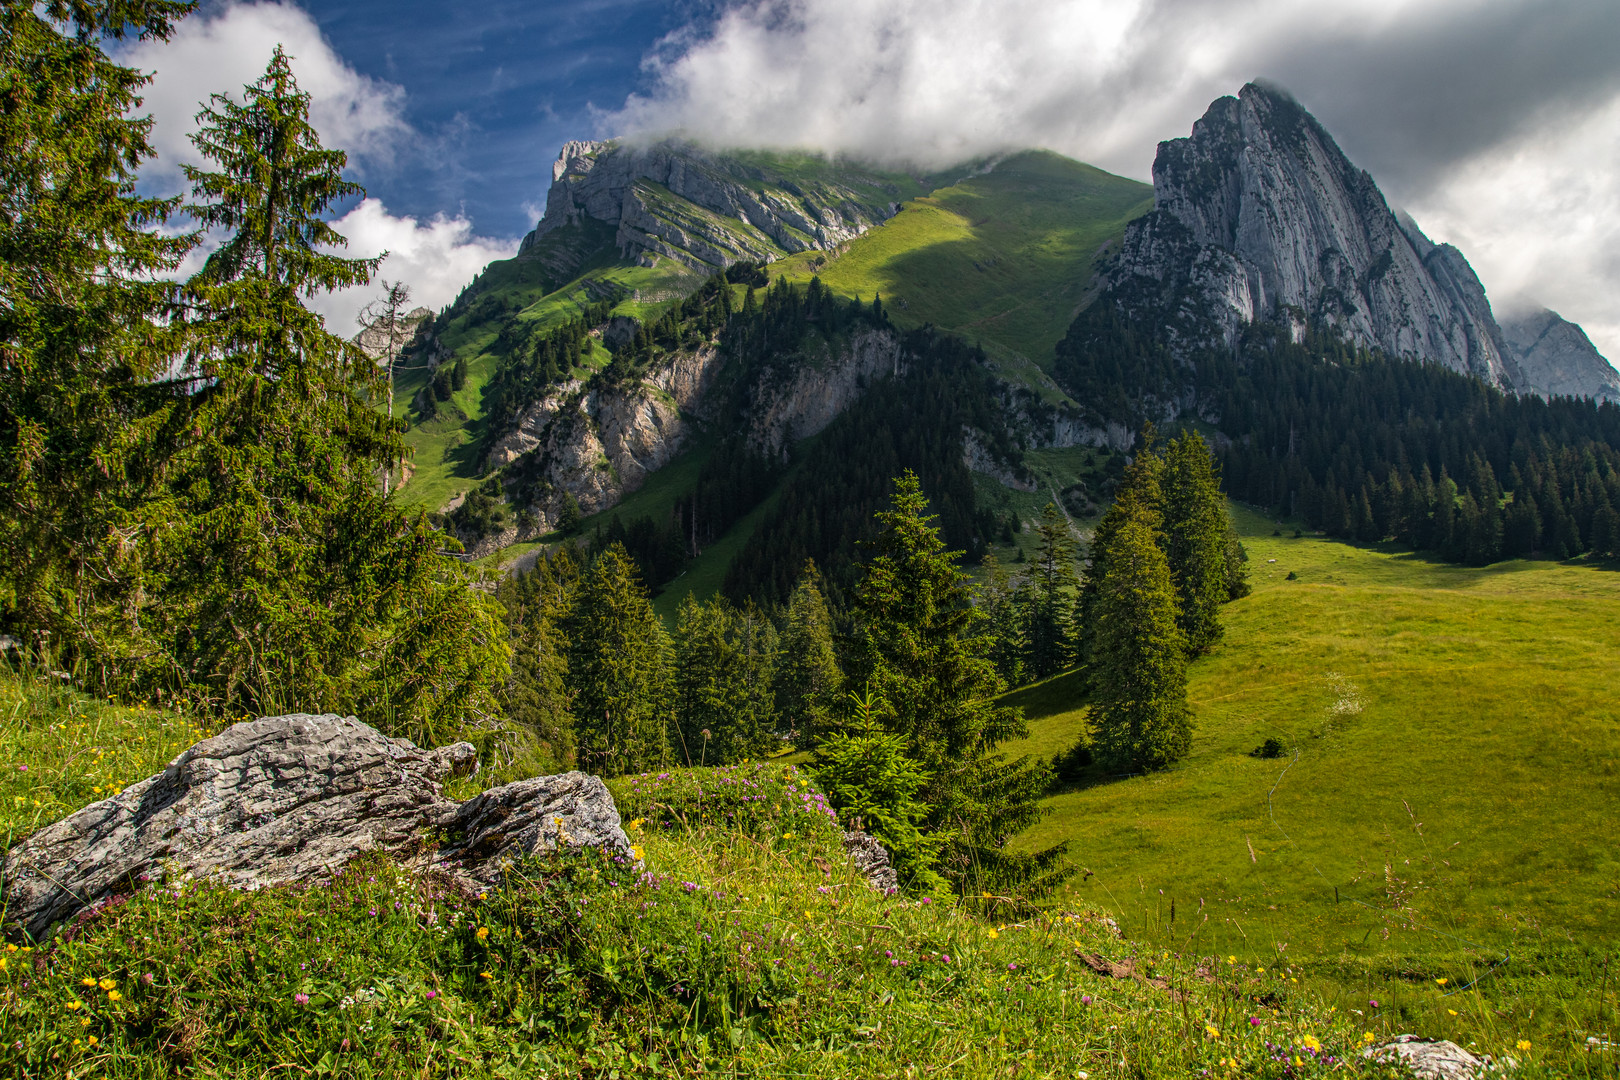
(807, 678)
(618, 670)
(1051, 588)
(1195, 539)
(1139, 714)
(917, 654)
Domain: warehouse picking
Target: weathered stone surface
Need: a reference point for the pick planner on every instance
(1260, 216)
(871, 858)
(1429, 1059)
(676, 200)
(1557, 357)
(284, 799)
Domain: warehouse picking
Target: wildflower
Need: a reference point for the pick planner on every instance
(432, 994)
(638, 823)
(74, 1005)
(1085, 999)
(113, 995)
(1368, 1037)
(1214, 1032)
(1453, 1012)
(1231, 959)
(993, 933)
(485, 975)
(945, 958)
(1372, 1003)
(1012, 967)
(1524, 1044)
(87, 982)
(107, 984)
(635, 849)
(300, 999)
(1311, 1043)
(1441, 982)
(483, 933)
(787, 836)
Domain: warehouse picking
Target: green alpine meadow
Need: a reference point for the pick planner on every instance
(816, 605)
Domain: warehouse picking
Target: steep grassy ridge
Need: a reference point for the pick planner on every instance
(1457, 775)
(1003, 256)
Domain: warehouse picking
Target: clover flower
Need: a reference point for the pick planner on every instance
(300, 999)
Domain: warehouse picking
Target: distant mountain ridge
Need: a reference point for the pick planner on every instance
(1259, 216)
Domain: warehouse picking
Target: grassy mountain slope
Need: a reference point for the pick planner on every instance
(1457, 772)
(749, 947)
(1003, 256)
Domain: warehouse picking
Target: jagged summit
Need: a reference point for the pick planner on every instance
(1259, 215)
(707, 210)
(1559, 357)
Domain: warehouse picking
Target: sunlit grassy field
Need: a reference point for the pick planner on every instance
(1448, 793)
(1003, 256)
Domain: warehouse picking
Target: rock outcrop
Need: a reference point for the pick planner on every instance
(380, 343)
(1258, 215)
(292, 798)
(1558, 359)
(1430, 1059)
(704, 210)
(786, 405)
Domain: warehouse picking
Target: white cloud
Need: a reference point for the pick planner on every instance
(1494, 121)
(223, 52)
(1537, 218)
(435, 258)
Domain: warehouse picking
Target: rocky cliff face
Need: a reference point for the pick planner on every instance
(1259, 216)
(704, 210)
(784, 407)
(1558, 358)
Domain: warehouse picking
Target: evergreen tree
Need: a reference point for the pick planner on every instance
(1051, 588)
(290, 579)
(1139, 717)
(87, 327)
(1002, 599)
(1195, 539)
(917, 653)
(1138, 493)
(618, 670)
(536, 697)
(723, 710)
(807, 678)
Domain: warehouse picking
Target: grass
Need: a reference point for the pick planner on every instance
(745, 946)
(1004, 256)
(1447, 796)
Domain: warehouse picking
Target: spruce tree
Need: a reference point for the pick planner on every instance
(88, 325)
(1195, 539)
(1051, 588)
(807, 679)
(1138, 492)
(536, 697)
(917, 653)
(618, 670)
(1139, 717)
(1003, 600)
(723, 708)
(291, 579)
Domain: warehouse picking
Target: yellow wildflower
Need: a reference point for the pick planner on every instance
(1214, 1032)
(635, 849)
(93, 1040)
(1453, 1012)
(1231, 959)
(638, 823)
(1310, 1042)
(1524, 1044)
(483, 933)
(993, 933)
(485, 975)
(107, 984)
(1441, 982)
(73, 1005)
(113, 995)
(1368, 1037)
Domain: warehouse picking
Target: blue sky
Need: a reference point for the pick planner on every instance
(496, 87)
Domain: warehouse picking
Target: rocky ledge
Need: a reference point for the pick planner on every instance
(292, 798)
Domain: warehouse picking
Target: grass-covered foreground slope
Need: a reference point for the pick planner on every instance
(1003, 256)
(744, 946)
(1449, 792)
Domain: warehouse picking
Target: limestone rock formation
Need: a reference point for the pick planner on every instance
(1260, 216)
(292, 798)
(1429, 1059)
(871, 858)
(376, 342)
(1557, 357)
(703, 210)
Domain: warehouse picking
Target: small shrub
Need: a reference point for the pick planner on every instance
(1271, 748)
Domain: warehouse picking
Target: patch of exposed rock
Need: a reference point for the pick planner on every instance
(784, 406)
(1258, 215)
(871, 858)
(292, 798)
(676, 200)
(1431, 1059)
(380, 343)
(1558, 359)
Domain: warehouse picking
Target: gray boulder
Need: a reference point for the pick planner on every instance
(292, 798)
(1429, 1059)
